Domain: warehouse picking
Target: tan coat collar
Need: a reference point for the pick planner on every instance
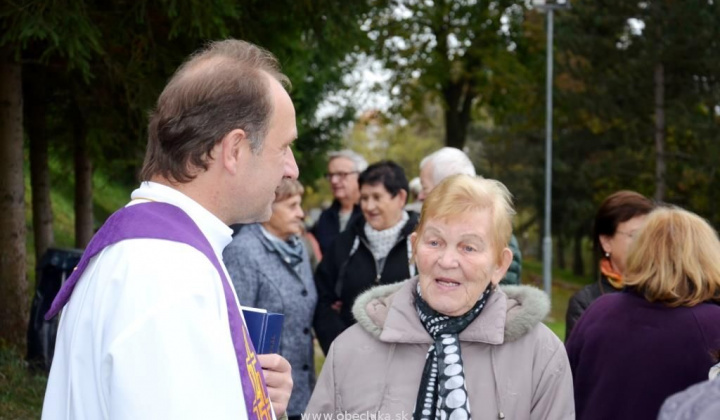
(388, 312)
(400, 322)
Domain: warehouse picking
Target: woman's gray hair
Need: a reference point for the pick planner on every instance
(448, 161)
(359, 161)
(288, 188)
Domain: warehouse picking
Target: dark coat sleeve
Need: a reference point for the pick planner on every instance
(512, 276)
(578, 303)
(327, 322)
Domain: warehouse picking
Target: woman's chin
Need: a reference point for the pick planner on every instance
(445, 305)
(376, 224)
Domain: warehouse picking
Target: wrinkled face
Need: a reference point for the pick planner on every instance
(287, 218)
(381, 210)
(343, 178)
(619, 244)
(456, 261)
(275, 161)
(426, 180)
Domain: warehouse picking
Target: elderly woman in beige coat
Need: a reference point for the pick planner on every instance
(449, 343)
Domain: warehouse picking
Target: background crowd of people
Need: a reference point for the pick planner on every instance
(657, 330)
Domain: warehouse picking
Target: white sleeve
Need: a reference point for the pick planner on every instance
(166, 348)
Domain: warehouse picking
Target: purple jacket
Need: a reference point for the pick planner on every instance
(628, 355)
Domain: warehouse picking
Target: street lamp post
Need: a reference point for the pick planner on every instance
(549, 8)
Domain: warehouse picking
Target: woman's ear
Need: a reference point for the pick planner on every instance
(606, 243)
(413, 242)
(505, 260)
(402, 196)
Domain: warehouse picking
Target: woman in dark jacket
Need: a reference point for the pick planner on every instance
(616, 224)
(373, 250)
(631, 350)
(270, 269)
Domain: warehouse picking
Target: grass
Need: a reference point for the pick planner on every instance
(107, 197)
(21, 392)
(564, 285)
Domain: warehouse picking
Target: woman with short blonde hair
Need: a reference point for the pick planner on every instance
(684, 250)
(655, 338)
(465, 194)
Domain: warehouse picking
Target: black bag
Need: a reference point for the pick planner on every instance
(52, 270)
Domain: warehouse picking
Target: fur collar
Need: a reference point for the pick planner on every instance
(520, 308)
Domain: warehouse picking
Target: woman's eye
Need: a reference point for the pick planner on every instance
(468, 248)
(433, 243)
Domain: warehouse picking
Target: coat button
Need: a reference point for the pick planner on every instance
(306, 367)
(306, 331)
(304, 293)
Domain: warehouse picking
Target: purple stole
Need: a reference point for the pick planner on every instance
(156, 220)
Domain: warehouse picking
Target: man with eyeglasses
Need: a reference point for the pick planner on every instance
(344, 167)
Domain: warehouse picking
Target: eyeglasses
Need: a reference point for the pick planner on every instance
(342, 175)
(630, 235)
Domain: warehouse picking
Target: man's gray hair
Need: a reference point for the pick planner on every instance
(448, 161)
(359, 161)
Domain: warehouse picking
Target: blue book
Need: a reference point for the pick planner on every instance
(264, 328)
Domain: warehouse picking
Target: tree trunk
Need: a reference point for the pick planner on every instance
(83, 183)
(560, 243)
(13, 275)
(36, 124)
(578, 264)
(458, 101)
(540, 239)
(659, 132)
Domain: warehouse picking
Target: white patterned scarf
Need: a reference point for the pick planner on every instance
(443, 394)
(382, 241)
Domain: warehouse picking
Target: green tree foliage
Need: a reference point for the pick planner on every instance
(616, 99)
(406, 142)
(605, 108)
(132, 48)
(453, 50)
(104, 63)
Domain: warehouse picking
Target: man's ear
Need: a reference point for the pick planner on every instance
(232, 149)
(505, 260)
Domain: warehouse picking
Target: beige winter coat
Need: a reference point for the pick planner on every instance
(515, 367)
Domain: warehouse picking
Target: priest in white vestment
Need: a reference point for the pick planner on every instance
(145, 333)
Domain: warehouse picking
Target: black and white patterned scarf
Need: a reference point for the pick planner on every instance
(442, 393)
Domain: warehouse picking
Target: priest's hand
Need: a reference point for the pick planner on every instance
(279, 381)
